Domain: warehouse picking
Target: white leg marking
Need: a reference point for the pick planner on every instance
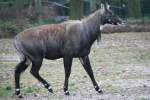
(50, 87)
(17, 89)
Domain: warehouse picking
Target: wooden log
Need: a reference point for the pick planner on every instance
(108, 28)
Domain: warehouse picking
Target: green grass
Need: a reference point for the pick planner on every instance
(6, 90)
(73, 87)
(113, 88)
(143, 98)
(31, 89)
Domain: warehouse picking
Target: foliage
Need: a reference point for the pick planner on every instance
(8, 28)
(46, 21)
(11, 28)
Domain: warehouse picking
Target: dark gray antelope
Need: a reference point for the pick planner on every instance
(66, 40)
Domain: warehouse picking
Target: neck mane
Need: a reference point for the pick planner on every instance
(92, 24)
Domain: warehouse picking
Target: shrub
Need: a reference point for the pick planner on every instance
(8, 29)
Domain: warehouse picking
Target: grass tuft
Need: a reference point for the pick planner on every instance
(31, 89)
(6, 90)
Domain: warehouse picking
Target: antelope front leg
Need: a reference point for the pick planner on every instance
(67, 67)
(87, 66)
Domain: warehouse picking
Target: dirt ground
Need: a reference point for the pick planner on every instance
(121, 65)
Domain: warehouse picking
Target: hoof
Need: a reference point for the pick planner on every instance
(67, 93)
(100, 91)
(19, 96)
(50, 90)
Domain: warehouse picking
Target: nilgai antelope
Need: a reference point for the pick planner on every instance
(65, 40)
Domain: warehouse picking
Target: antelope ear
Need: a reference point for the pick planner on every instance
(108, 6)
(102, 6)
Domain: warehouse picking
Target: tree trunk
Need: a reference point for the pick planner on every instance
(76, 9)
(134, 9)
(38, 7)
(92, 5)
(19, 6)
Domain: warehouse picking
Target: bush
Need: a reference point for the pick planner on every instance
(46, 21)
(8, 29)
